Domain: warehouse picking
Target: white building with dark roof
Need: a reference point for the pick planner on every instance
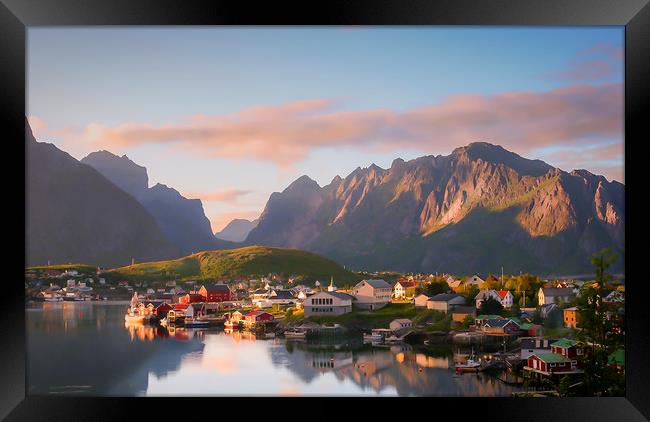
(372, 294)
(328, 303)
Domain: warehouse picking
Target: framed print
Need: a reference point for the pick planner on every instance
(424, 201)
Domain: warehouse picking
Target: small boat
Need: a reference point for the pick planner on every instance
(295, 334)
(54, 299)
(193, 322)
(376, 335)
(163, 322)
(471, 365)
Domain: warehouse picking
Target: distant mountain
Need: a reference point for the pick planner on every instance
(75, 214)
(237, 230)
(474, 210)
(181, 219)
(247, 261)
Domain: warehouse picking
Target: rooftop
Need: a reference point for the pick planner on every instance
(564, 343)
(552, 358)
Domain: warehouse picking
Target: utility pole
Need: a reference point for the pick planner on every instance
(502, 276)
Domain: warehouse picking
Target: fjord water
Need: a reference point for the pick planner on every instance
(86, 348)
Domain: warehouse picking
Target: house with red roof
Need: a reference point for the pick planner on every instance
(400, 288)
(253, 318)
(506, 298)
(190, 298)
(215, 293)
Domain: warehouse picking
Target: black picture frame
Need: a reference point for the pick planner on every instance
(16, 15)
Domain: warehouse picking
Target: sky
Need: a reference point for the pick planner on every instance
(230, 115)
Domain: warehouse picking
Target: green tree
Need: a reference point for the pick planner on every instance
(437, 287)
(490, 306)
(602, 331)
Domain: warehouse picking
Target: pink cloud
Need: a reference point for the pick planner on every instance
(286, 133)
(230, 195)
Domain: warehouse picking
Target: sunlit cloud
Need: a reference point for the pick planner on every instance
(605, 159)
(285, 134)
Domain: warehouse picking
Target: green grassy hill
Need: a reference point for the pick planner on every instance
(249, 261)
(81, 268)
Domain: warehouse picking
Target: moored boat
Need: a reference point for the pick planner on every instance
(471, 365)
(193, 322)
(295, 334)
(231, 325)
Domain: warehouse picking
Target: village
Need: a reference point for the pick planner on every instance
(528, 327)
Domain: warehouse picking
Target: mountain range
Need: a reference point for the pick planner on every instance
(473, 211)
(237, 230)
(182, 220)
(478, 209)
(75, 214)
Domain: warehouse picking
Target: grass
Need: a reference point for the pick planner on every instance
(249, 261)
(81, 268)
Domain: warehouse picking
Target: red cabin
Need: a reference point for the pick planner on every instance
(255, 317)
(551, 363)
(190, 298)
(566, 348)
(215, 293)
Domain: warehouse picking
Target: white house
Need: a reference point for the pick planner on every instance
(400, 288)
(328, 303)
(484, 294)
(400, 323)
(372, 294)
(421, 300)
(547, 296)
(506, 298)
(283, 297)
(475, 280)
(445, 302)
(453, 283)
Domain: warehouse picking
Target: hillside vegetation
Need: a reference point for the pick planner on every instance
(247, 261)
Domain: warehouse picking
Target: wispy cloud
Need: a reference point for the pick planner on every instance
(601, 61)
(229, 195)
(606, 159)
(287, 133)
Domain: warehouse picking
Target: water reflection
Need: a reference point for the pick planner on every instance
(91, 350)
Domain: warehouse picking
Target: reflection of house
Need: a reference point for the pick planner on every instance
(372, 294)
(328, 303)
(546, 296)
(445, 302)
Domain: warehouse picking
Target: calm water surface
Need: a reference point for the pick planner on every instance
(86, 348)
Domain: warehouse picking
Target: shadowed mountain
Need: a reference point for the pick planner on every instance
(474, 210)
(182, 220)
(75, 214)
(236, 230)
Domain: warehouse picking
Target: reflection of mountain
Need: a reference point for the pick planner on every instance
(86, 349)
